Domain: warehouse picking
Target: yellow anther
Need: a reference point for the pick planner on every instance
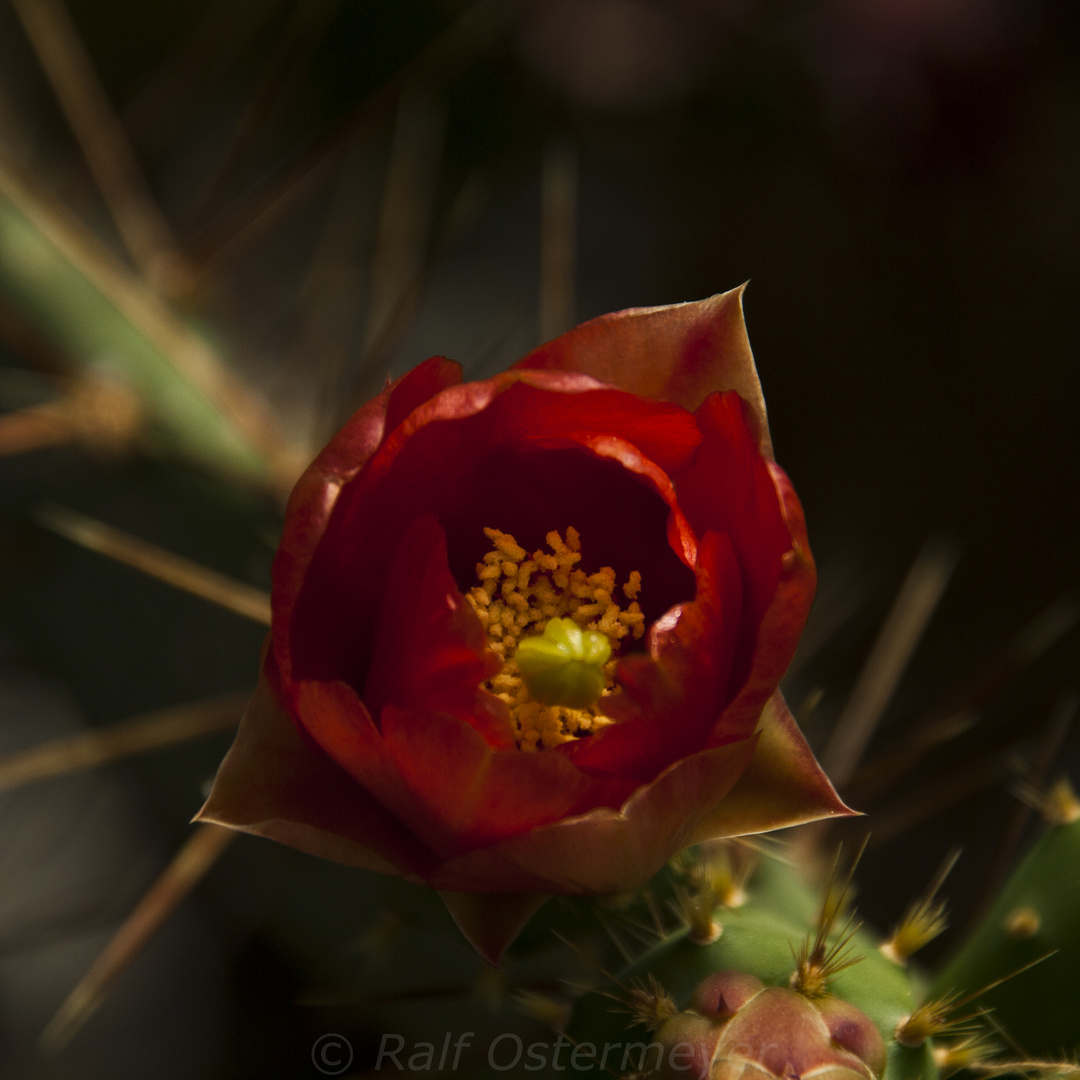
(505, 545)
(518, 595)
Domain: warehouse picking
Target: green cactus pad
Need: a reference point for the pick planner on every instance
(1035, 915)
(759, 938)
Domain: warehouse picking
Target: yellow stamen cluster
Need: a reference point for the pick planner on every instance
(517, 596)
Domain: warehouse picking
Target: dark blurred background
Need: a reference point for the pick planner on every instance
(345, 187)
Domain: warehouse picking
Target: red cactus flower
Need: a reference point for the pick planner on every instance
(615, 487)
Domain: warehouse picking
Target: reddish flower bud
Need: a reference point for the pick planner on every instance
(722, 995)
(850, 1029)
(774, 1034)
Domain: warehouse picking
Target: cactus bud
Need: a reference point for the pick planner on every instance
(722, 995)
(850, 1028)
(742, 1029)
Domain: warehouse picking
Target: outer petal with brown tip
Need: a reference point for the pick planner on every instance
(680, 353)
(783, 784)
(608, 851)
(274, 783)
(491, 921)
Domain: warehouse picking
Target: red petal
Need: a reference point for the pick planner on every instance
(680, 353)
(439, 777)
(769, 781)
(313, 499)
(783, 621)
(339, 722)
(473, 796)
(783, 785)
(513, 466)
(672, 697)
(607, 851)
(665, 434)
(275, 784)
(431, 652)
(418, 386)
(732, 489)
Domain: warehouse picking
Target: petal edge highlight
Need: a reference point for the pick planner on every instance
(275, 784)
(782, 785)
(678, 352)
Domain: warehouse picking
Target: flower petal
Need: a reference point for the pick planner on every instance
(607, 851)
(513, 466)
(679, 353)
(275, 784)
(473, 796)
(768, 781)
(339, 722)
(490, 921)
(440, 777)
(729, 487)
(313, 499)
(431, 652)
(664, 433)
(671, 697)
(419, 386)
(783, 784)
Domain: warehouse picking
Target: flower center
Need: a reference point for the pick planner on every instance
(517, 598)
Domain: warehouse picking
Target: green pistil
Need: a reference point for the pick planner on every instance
(565, 665)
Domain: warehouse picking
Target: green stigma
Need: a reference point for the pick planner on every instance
(565, 665)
